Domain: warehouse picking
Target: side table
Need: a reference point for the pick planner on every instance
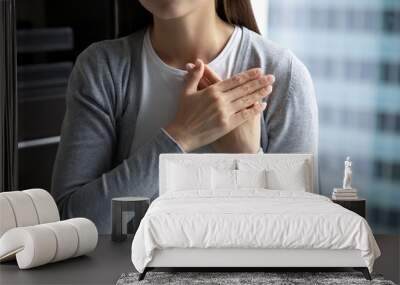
(358, 206)
(127, 212)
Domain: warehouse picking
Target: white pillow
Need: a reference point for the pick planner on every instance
(293, 179)
(183, 177)
(251, 178)
(223, 179)
(282, 174)
(229, 179)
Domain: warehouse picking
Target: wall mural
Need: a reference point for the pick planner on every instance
(352, 51)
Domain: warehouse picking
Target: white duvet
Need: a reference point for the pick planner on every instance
(253, 218)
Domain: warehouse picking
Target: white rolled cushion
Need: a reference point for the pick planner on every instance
(7, 218)
(67, 240)
(33, 246)
(40, 244)
(223, 179)
(182, 177)
(251, 178)
(23, 208)
(45, 205)
(87, 235)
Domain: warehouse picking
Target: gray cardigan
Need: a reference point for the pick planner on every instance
(94, 161)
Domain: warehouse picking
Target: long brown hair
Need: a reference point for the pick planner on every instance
(238, 12)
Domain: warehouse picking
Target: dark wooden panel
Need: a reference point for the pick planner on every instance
(36, 166)
(91, 20)
(41, 117)
(8, 99)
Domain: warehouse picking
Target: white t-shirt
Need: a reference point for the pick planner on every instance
(163, 84)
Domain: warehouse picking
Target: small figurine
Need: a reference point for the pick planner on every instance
(347, 174)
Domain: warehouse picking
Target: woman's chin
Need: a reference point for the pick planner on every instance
(170, 10)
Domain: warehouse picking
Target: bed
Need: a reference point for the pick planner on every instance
(247, 211)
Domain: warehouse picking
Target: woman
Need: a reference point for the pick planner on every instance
(193, 77)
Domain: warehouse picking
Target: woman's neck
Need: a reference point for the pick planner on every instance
(200, 34)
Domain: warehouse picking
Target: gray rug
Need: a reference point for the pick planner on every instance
(269, 278)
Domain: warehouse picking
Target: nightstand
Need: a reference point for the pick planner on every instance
(127, 212)
(358, 206)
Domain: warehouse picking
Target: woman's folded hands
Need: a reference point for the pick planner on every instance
(225, 113)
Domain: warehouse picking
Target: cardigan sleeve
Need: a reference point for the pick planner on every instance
(84, 178)
(292, 122)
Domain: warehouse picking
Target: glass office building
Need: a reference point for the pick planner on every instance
(352, 49)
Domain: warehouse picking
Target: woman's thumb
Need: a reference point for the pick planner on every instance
(194, 75)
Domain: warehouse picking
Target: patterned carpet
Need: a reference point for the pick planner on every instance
(244, 278)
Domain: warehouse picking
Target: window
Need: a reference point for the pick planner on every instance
(352, 49)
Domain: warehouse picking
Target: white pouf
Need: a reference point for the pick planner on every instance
(45, 205)
(32, 233)
(7, 220)
(23, 208)
(37, 245)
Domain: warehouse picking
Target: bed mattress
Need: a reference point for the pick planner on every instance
(251, 219)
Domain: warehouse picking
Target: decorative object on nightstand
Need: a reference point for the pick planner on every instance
(357, 206)
(127, 212)
(346, 192)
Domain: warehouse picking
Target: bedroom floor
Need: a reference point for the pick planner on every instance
(389, 262)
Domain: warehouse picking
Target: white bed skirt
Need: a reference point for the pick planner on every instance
(236, 257)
